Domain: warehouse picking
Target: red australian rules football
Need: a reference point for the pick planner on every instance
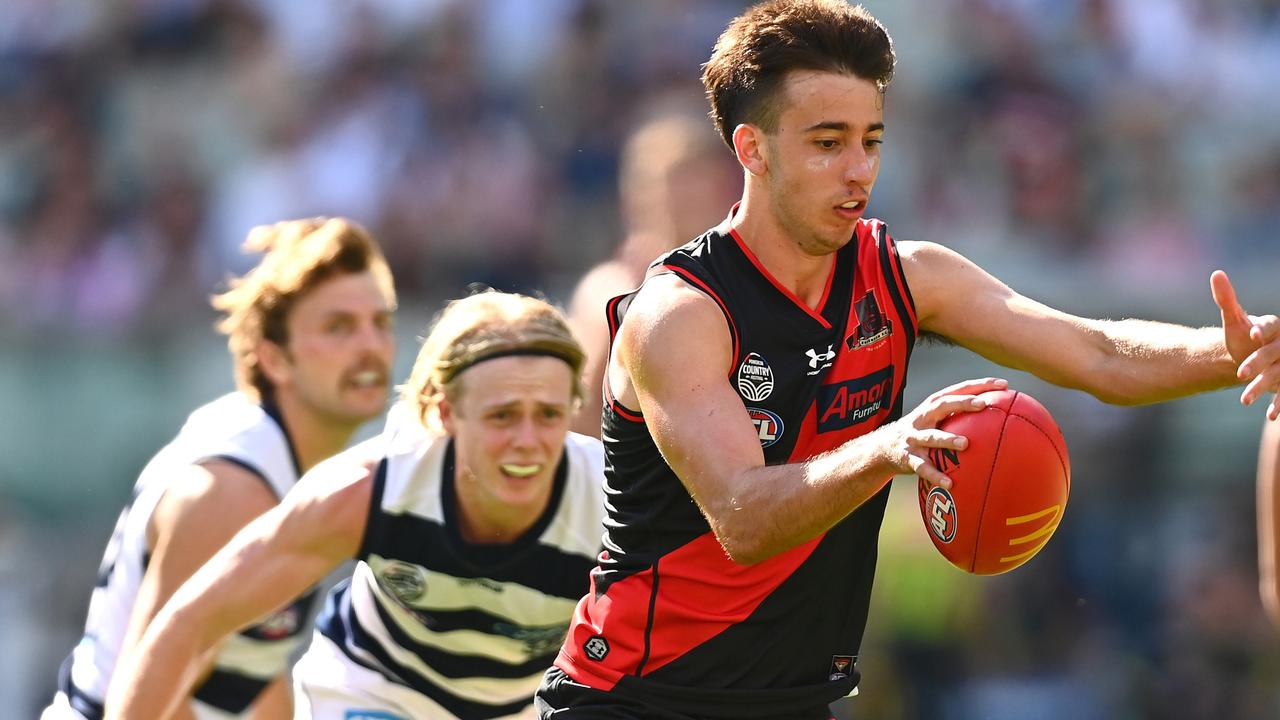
(1009, 487)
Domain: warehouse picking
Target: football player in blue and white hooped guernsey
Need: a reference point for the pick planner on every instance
(475, 518)
(309, 329)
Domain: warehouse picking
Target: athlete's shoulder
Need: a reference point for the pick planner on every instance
(697, 251)
(923, 260)
(229, 415)
(411, 459)
(233, 425)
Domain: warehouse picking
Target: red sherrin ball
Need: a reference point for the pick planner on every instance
(1008, 488)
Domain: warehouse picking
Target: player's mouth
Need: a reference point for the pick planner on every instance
(851, 209)
(367, 379)
(520, 471)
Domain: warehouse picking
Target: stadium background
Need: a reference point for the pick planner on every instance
(1102, 155)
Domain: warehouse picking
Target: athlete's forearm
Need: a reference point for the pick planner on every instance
(783, 506)
(246, 580)
(1149, 362)
(157, 676)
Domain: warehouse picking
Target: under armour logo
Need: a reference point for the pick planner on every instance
(596, 648)
(819, 361)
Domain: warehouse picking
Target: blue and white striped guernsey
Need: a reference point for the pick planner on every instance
(230, 428)
(450, 628)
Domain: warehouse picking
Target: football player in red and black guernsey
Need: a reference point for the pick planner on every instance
(755, 385)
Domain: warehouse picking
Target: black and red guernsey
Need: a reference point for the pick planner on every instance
(671, 620)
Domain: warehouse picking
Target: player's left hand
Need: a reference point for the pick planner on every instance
(1254, 343)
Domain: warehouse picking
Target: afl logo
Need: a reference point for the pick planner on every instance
(768, 425)
(941, 511)
(405, 581)
(755, 378)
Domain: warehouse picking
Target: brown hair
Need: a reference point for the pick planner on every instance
(483, 326)
(299, 255)
(756, 51)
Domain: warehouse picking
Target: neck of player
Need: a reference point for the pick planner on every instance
(314, 436)
(803, 273)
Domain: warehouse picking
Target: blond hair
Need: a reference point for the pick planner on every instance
(298, 256)
(480, 327)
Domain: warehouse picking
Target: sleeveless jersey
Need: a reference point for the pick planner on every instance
(230, 428)
(469, 628)
(670, 619)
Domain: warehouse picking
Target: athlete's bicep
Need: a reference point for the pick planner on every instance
(678, 352)
(960, 301)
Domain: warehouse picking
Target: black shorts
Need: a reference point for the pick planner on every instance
(560, 697)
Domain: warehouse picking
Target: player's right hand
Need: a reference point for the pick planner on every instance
(911, 437)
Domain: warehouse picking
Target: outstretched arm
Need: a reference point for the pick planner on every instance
(274, 559)
(1127, 362)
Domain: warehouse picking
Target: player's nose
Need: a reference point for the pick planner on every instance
(375, 339)
(860, 169)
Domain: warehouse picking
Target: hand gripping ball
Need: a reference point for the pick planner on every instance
(1009, 487)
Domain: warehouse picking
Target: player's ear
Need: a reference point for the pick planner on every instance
(748, 145)
(444, 410)
(273, 361)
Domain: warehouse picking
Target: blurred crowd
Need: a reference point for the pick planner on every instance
(1103, 153)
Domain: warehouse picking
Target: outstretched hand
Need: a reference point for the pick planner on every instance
(918, 431)
(1253, 341)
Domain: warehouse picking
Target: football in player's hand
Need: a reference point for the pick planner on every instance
(1009, 487)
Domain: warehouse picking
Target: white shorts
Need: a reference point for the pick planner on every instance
(327, 685)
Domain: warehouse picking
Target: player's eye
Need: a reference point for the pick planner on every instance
(827, 143)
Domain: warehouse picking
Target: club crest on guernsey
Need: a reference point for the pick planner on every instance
(755, 378)
(841, 666)
(407, 582)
